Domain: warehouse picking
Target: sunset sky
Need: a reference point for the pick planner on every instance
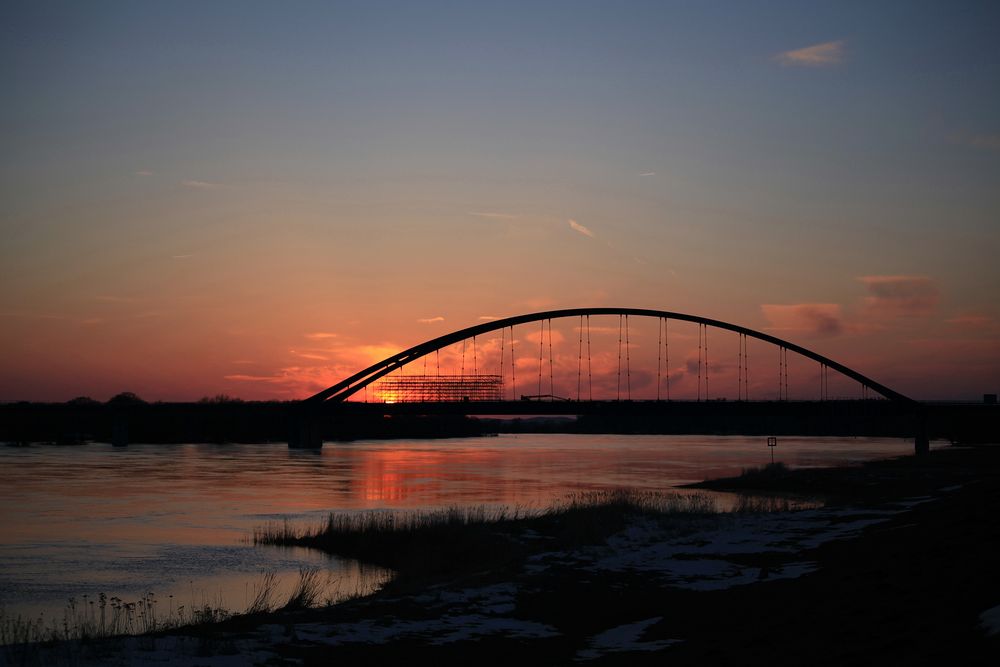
(259, 198)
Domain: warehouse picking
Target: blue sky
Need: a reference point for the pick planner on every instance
(173, 170)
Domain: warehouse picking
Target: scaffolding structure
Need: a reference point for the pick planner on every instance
(444, 388)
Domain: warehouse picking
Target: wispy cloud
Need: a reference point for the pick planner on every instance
(817, 55)
(537, 303)
(182, 256)
(986, 142)
(648, 173)
(814, 319)
(320, 335)
(112, 298)
(488, 318)
(144, 172)
(900, 295)
(430, 320)
(201, 185)
(242, 377)
(34, 316)
(495, 216)
(577, 227)
(310, 355)
(971, 321)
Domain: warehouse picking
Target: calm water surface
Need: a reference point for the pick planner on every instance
(174, 519)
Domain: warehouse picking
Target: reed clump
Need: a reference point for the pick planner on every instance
(456, 539)
(764, 474)
(103, 617)
(753, 504)
(89, 618)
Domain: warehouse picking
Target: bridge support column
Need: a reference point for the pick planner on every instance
(305, 432)
(119, 431)
(921, 441)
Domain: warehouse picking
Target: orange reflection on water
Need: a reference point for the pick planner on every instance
(418, 477)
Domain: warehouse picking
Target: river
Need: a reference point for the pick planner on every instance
(174, 520)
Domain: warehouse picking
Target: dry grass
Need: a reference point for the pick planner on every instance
(104, 617)
(308, 590)
(456, 539)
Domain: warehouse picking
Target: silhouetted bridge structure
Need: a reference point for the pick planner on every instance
(496, 373)
(880, 410)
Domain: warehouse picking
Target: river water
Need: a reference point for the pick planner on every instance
(175, 519)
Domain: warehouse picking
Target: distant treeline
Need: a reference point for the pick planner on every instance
(126, 418)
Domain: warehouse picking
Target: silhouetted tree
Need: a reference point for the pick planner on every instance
(220, 398)
(82, 400)
(125, 398)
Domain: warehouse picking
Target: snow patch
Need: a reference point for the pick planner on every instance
(989, 620)
(443, 630)
(624, 638)
(712, 556)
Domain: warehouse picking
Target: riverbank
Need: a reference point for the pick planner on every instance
(898, 567)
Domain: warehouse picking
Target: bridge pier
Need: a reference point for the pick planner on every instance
(119, 431)
(305, 432)
(921, 441)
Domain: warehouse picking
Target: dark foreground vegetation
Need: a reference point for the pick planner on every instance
(906, 591)
(454, 541)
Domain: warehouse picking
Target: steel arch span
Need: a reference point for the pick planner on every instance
(351, 385)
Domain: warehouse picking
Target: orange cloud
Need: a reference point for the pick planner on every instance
(309, 355)
(577, 227)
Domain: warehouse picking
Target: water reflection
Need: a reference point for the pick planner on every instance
(173, 519)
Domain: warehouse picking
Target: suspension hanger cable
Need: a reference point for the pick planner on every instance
(579, 361)
(590, 375)
(659, 351)
(541, 345)
(618, 394)
(739, 368)
(779, 373)
(700, 327)
(746, 367)
(666, 350)
(628, 363)
(501, 373)
(513, 379)
(706, 362)
(786, 372)
(552, 387)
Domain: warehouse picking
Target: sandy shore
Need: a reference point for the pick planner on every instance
(899, 567)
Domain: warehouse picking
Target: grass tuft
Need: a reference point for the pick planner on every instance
(308, 590)
(767, 473)
(456, 539)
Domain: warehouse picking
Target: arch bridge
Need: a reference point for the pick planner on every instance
(304, 434)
